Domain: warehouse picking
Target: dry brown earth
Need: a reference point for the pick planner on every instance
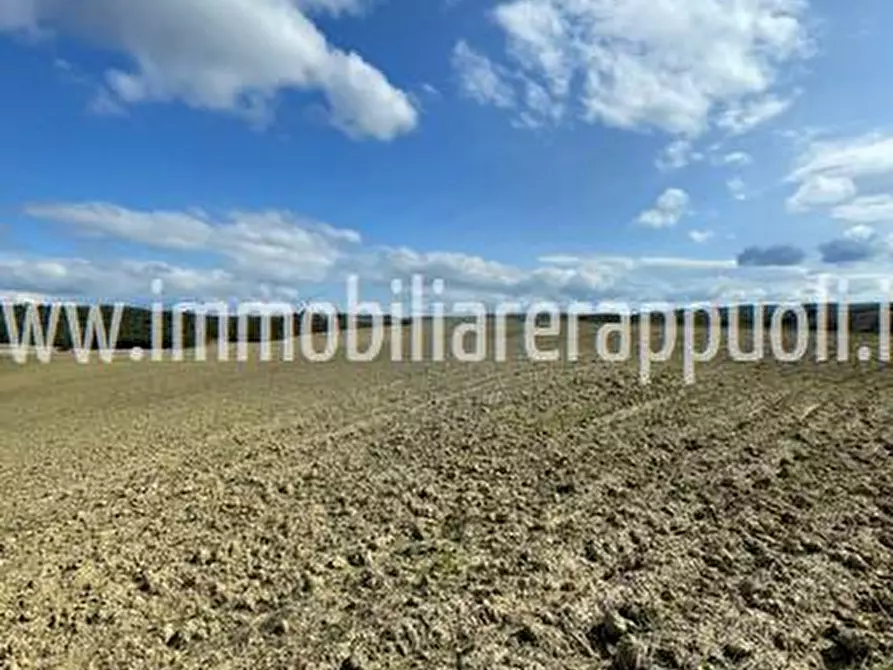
(445, 515)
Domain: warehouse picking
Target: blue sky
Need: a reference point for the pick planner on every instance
(688, 150)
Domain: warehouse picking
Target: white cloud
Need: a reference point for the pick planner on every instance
(130, 280)
(480, 79)
(670, 207)
(457, 268)
(859, 232)
(268, 245)
(742, 117)
(173, 230)
(676, 65)
(226, 55)
(833, 172)
(19, 298)
(865, 156)
(737, 159)
(677, 154)
(540, 108)
(819, 190)
(866, 209)
(596, 279)
(737, 188)
(701, 236)
(261, 255)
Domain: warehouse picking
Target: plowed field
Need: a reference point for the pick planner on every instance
(445, 515)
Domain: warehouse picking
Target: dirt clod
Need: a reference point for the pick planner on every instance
(737, 651)
(351, 663)
(848, 648)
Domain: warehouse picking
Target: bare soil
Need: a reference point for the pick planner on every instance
(445, 515)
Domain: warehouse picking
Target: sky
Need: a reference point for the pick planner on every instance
(519, 150)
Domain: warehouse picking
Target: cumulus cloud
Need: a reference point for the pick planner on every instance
(272, 255)
(819, 190)
(621, 281)
(460, 269)
(670, 207)
(174, 230)
(858, 157)
(778, 255)
(617, 280)
(86, 279)
(269, 245)
(866, 209)
(226, 55)
(832, 173)
(676, 65)
(860, 232)
(281, 256)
